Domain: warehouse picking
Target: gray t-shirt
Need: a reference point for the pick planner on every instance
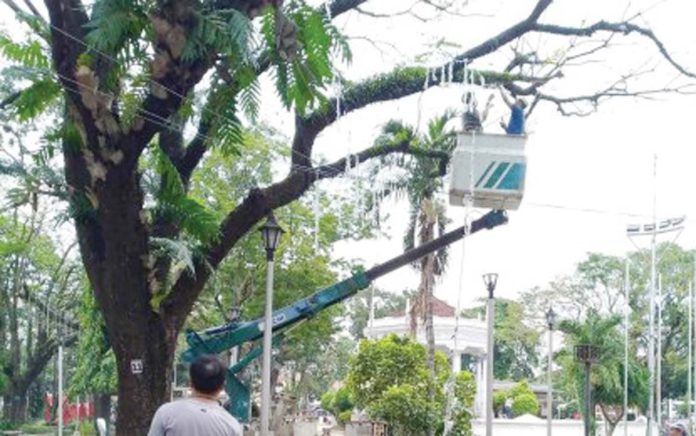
(193, 417)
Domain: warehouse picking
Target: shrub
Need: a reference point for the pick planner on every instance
(525, 403)
(344, 416)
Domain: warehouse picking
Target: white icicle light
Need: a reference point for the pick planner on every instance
(316, 219)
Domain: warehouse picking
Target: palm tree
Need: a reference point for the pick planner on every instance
(420, 184)
(604, 373)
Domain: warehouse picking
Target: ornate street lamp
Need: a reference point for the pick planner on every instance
(271, 233)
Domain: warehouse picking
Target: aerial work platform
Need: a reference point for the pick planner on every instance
(490, 169)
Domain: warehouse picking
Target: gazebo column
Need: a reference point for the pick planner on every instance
(456, 361)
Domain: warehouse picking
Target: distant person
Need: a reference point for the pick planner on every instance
(678, 429)
(507, 408)
(515, 125)
(201, 414)
(472, 119)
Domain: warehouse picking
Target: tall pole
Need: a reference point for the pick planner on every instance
(651, 316)
(658, 332)
(60, 380)
(267, 350)
(549, 384)
(692, 395)
(588, 400)
(627, 308)
(490, 315)
(690, 365)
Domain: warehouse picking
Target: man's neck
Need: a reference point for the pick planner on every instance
(213, 398)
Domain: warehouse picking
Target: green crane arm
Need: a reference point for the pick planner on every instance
(218, 339)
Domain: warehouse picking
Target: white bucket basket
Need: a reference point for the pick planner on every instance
(490, 169)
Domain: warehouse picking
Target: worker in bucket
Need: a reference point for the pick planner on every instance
(515, 126)
(473, 119)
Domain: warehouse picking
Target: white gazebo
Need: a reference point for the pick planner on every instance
(467, 352)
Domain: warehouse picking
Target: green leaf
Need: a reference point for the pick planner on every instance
(115, 24)
(194, 218)
(34, 100)
(30, 54)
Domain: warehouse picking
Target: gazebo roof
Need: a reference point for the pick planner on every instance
(440, 308)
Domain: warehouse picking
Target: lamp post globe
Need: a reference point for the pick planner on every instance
(491, 281)
(271, 233)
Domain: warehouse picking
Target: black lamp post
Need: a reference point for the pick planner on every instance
(271, 233)
(587, 354)
(490, 280)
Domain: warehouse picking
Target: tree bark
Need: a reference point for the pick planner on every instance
(15, 406)
(114, 248)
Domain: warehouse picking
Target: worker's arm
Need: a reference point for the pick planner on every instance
(506, 99)
(486, 109)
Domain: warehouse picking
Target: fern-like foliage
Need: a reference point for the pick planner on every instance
(226, 128)
(36, 98)
(30, 62)
(226, 32)
(301, 80)
(175, 206)
(30, 54)
(179, 252)
(116, 26)
(250, 93)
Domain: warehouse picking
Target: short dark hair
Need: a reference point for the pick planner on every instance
(207, 374)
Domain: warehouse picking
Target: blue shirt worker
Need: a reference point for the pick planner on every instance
(516, 124)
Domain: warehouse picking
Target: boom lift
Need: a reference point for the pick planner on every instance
(218, 339)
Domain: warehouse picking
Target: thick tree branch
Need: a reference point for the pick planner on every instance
(338, 167)
(257, 205)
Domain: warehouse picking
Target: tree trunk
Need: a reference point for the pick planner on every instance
(427, 233)
(588, 401)
(15, 406)
(114, 248)
(611, 419)
(144, 363)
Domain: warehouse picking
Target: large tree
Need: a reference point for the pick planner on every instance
(37, 284)
(516, 341)
(130, 75)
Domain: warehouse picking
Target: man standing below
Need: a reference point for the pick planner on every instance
(201, 414)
